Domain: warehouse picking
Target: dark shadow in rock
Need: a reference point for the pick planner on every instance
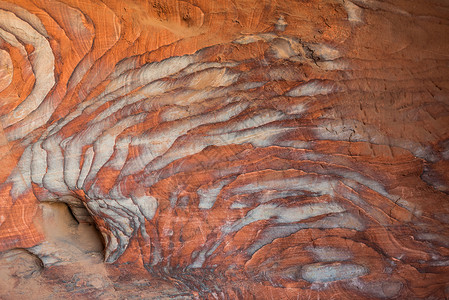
(70, 264)
(67, 240)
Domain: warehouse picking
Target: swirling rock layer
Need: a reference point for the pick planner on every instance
(238, 149)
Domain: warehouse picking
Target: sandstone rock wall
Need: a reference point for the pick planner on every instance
(267, 149)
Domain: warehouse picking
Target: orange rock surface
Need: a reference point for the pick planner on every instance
(225, 149)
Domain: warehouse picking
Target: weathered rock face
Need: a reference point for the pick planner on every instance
(235, 148)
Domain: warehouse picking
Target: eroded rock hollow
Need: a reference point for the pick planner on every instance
(224, 149)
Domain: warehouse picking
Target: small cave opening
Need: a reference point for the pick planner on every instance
(69, 260)
(70, 233)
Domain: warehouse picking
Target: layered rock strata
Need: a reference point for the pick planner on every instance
(237, 148)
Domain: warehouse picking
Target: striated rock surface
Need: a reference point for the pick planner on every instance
(224, 149)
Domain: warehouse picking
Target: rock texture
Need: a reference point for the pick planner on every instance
(231, 149)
